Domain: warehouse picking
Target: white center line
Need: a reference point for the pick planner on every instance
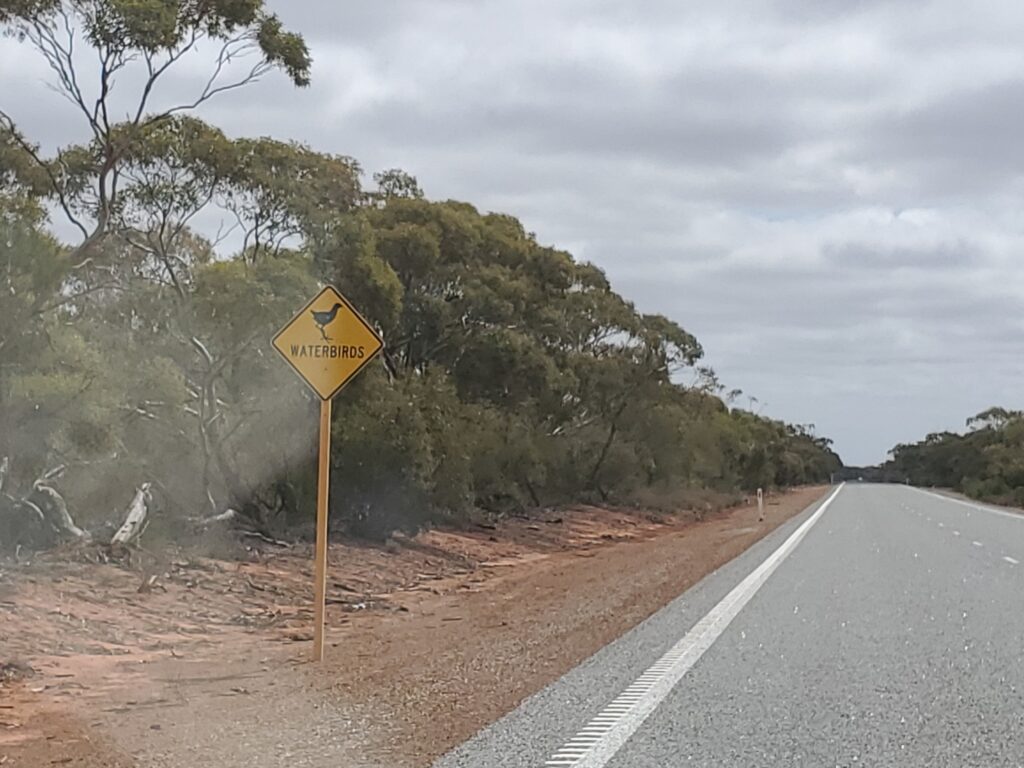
(977, 543)
(956, 533)
(1010, 560)
(626, 714)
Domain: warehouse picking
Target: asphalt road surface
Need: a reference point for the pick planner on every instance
(882, 627)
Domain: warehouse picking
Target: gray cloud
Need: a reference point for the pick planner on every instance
(870, 256)
(963, 143)
(827, 192)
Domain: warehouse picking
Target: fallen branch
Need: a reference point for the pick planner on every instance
(242, 522)
(40, 519)
(53, 474)
(264, 537)
(224, 517)
(135, 520)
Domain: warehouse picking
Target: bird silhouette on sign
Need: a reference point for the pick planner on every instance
(323, 319)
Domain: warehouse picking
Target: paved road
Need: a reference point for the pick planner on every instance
(884, 630)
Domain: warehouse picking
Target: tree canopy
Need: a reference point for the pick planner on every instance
(986, 461)
(513, 374)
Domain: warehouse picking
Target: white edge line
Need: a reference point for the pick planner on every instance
(970, 504)
(682, 656)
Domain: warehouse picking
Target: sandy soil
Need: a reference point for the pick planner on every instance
(429, 640)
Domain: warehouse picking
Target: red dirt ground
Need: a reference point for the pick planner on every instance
(429, 640)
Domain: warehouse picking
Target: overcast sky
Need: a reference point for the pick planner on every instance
(828, 193)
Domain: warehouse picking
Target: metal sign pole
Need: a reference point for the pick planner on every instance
(323, 487)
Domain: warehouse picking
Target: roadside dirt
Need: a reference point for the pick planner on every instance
(430, 639)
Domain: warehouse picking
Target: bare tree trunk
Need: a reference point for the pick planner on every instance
(55, 510)
(135, 520)
(533, 493)
(592, 480)
(210, 418)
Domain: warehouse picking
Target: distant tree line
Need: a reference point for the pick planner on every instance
(985, 462)
(882, 473)
(135, 354)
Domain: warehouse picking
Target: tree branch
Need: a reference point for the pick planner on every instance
(154, 75)
(238, 47)
(62, 201)
(60, 58)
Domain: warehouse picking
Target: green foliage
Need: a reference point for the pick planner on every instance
(15, 10)
(54, 400)
(123, 28)
(395, 182)
(21, 179)
(987, 462)
(513, 375)
(555, 387)
(280, 190)
(284, 49)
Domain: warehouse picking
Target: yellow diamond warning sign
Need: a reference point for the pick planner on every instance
(328, 342)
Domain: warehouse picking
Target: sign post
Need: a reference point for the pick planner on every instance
(323, 490)
(760, 505)
(327, 344)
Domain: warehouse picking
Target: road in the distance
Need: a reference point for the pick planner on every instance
(891, 634)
